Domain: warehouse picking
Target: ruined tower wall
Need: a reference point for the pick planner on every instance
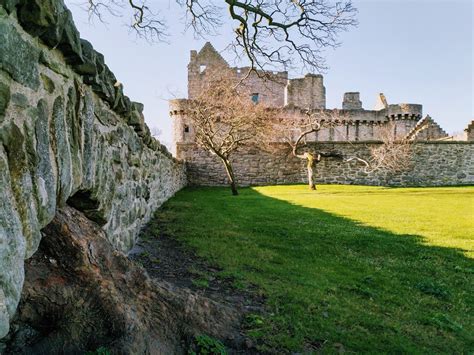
(270, 92)
(308, 92)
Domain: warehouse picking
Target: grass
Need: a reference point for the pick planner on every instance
(354, 268)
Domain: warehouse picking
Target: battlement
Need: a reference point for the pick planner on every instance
(352, 101)
(177, 106)
(404, 112)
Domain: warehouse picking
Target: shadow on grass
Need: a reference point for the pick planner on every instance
(332, 284)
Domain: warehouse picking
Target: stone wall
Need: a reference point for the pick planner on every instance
(68, 135)
(434, 164)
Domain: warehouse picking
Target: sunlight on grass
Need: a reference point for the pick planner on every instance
(443, 216)
(362, 269)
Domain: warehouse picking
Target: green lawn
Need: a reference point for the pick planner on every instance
(355, 268)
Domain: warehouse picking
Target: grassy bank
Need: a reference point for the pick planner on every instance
(346, 267)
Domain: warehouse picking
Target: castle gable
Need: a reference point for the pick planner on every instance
(208, 55)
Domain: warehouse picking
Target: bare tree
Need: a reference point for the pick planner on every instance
(393, 154)
(268, 33)
(297, 130)
(224, 118)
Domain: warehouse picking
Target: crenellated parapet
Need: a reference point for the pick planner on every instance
(404, 112)
(178, 106)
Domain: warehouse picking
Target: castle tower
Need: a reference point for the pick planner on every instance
(183, 131)
(208, 57)
(308, 92)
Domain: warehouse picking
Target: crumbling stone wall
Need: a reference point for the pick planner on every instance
(270, 92)
(68, 135)
(434, 164)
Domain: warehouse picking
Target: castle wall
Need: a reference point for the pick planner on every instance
(434, 164)
(271, 92)
(68, 135)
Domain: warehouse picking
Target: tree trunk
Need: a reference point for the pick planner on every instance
(310, 161)
(311, 183)
(230, 175)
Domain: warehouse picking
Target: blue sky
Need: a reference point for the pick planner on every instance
(414, 51)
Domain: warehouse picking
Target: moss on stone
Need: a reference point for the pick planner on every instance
(48, 84)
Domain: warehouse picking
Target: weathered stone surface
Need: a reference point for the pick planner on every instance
(4, 317)
(62, 141)
(434, 164)
(52, 22)
(12, 248)
(88, 67)
(80, 294)
(61, 150)
(18, 57)
(9, 5)
(48, 84)
(19, 100)
(4, 98)
(20, 163)
(45, 172)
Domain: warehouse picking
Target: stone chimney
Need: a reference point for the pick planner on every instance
(470, 131)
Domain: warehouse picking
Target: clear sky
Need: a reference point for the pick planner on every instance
(414, 51)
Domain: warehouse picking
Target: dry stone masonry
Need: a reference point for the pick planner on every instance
(437, 161)
(68, 135)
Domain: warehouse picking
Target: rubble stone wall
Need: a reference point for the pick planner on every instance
(434, 164)
(68, 135)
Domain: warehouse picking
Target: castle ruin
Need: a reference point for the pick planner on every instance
(294, 96)
(358, 130)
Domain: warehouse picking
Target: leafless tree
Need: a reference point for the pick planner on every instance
(393, 154)
(268, 33)
(296, 131)
(224, 118)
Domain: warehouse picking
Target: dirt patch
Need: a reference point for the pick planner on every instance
(81, 294)
(168, 259)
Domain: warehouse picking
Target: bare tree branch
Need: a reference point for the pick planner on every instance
(270, 34)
